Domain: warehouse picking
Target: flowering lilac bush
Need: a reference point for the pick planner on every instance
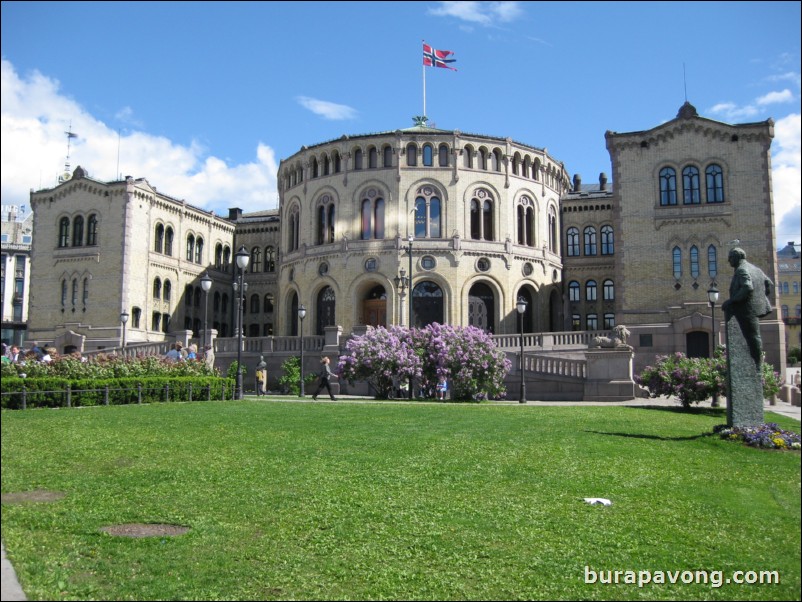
(691, 379)
(768, 435)
(695, 379)
(467, 357)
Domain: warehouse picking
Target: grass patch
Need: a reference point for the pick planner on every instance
(404, 501)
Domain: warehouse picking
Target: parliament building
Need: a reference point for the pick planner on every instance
(423, 225)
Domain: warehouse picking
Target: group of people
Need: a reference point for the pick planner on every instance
(177, 353)
(14, 355)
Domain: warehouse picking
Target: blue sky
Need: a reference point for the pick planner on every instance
(205, 98)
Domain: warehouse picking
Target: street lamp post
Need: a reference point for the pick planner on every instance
(411, 323)
(712, 297)
(206, 285)
(301, 316)
(242, 263)
(521, 307)
(401, 283)
(124, 320)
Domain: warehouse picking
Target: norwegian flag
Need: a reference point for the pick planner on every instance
(437, 58)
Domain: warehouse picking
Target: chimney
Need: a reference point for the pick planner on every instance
(577, 182)
(234, 213)
(602, 181)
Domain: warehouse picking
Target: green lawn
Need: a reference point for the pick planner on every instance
(393, 501)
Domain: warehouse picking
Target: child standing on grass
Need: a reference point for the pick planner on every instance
(442, 388)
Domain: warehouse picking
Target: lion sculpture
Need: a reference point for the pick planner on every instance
(617, 341)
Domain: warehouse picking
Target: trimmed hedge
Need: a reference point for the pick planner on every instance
(55, 392)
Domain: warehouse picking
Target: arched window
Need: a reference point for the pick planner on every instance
(197, 293)
(483, 159)
(64, 232)
(63, 293)
(714, 178)
(199, 250)
(190, 247)
(157, 288)
(86, 291)
(337, 162)
(442, 153)
(609, 321)
(158, 239)
(188, 295)
(572, 242)
(388, 156)
(608, 248)
(74, 292)
(326, 306)
(326, 165)
(609, 290)
(78, 231)
(694, 261)
(498, 160)
(218, 256)
(167, 291)
(216, 302)
(254, 304)
(590, 241)
(91, 231)
(427, 213)
(668, 186)
(574, 292)
(314, 167)
(676, 255)
(690, 186)
(590, 290)
(325, 220)
(294, 229)
(373, 158)
(482, 216)
(428, 155)
(372, 216)
(268, 303)
(467, 157)
(358, 158)
(576, 322)
(256, 260)
(412, 155)
(226, 257)
(552, 230)
(526, 222)
(168, 241)
(712, 261)
(270, 259)
(592, 322)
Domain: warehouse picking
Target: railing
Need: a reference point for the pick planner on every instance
(555, 366)
(270, 344)
(546, 341)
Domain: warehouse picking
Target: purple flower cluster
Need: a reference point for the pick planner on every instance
(768, 435)
(467, 357)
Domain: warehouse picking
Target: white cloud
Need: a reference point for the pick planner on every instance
(326, 109)
(483, 13)
(775, 97)
(786, 171)
(36, 115)
(729, 111)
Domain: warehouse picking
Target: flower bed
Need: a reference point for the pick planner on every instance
(769, 436)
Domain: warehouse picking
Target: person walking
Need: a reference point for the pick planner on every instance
(325, 378)
(261, 377)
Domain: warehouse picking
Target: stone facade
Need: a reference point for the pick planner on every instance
(482, 213)
(685, 192)
(101, 248)
(491, 220)
(15, 272)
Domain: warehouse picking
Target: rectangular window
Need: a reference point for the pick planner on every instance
(645, 340)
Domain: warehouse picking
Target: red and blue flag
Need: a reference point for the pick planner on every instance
(437, 58)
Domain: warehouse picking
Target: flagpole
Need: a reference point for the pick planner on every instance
(423, 65)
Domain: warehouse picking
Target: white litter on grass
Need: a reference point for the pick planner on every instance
(598, 500)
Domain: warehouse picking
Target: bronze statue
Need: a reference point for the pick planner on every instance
(750, 292)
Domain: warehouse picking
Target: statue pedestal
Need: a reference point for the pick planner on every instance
(745, 384)
(609, 375)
